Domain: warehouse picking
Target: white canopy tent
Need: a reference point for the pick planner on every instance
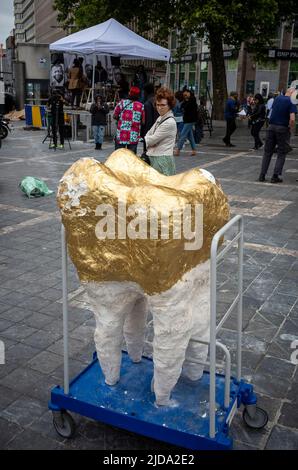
(110, 38)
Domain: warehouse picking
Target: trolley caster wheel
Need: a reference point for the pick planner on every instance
(255, 417)
(64, 424)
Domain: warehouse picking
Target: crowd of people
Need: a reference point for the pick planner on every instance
(278, 114)
(164, 121)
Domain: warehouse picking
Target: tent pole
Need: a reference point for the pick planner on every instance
(93, 76)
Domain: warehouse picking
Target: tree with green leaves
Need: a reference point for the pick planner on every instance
(219, 22)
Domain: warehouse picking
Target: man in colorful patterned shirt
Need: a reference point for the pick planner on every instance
(130, 115)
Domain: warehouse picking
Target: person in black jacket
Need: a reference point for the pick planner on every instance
(257, 119)
(99, 111)
(190, 116)
(56, 113)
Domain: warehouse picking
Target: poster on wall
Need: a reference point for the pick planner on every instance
(62, 63)
(57, 74)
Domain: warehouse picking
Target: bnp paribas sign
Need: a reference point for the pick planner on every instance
(283, 54)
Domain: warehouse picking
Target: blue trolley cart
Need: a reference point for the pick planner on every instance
(205, 408)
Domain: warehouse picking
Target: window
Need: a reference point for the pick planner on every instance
(268, 65)
(293, 72)
(181, 76)
(173, 40)
(232, 65)
(172, 76)
(203, 78)
(295, 36)
(192, 76)
(193, 44)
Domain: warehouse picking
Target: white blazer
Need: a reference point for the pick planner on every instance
(160, 139)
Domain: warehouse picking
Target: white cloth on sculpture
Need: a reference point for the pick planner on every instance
(179, 314)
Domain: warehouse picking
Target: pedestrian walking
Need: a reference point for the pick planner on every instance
(230, 113)
(130, 115)
(281, 121)
(160, 139)
(257, 118)
(99, 110)
(190, 115)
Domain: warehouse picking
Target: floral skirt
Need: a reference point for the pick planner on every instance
(164, 164)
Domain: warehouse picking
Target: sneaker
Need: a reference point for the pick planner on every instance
(193, 152)
(276, 179)
(261, 178)
(230, 145)
(52, 146)
(60, 146)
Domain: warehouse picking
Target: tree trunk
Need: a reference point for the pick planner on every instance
(218, 74)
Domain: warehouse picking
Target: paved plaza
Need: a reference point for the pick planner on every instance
(30, 292)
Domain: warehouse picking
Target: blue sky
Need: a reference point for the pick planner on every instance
(6, 19)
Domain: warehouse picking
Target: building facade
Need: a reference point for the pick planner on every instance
(244, 74)
(36, 22)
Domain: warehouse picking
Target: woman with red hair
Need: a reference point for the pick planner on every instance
(160, 139)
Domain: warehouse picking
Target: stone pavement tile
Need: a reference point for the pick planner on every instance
(4, 291)
(288, 286)
(279, 303)
(289, 415)
(16, 314)
(270, 385)
(279, 350)
(287, 334)
(20, 354)
(37, 320)
(4, 324)
(51, 294)
(83, 333)
(292, 394)
(53, 310)
(282, 438)
(269, 319)
(34, 303)
(23, 411)
(261, 330)
(42, 339)
(255, 438)
(45, 362)
(18, 332)
(75, 346)
(75, 367)
(7, 396)
(249, 342)
(237, 445)
(276, 367)
(8, 431)
(270, 405)
(44, 426)
(261, 288)
(118, 439)
(251, 359)
(30, 382)
(21, 379)
(14, 298)
(29, 440)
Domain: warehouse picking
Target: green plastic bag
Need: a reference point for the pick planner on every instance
(33, 187)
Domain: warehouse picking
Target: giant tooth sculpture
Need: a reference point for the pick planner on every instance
(125, 233)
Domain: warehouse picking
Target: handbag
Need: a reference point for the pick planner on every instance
(144, 157)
